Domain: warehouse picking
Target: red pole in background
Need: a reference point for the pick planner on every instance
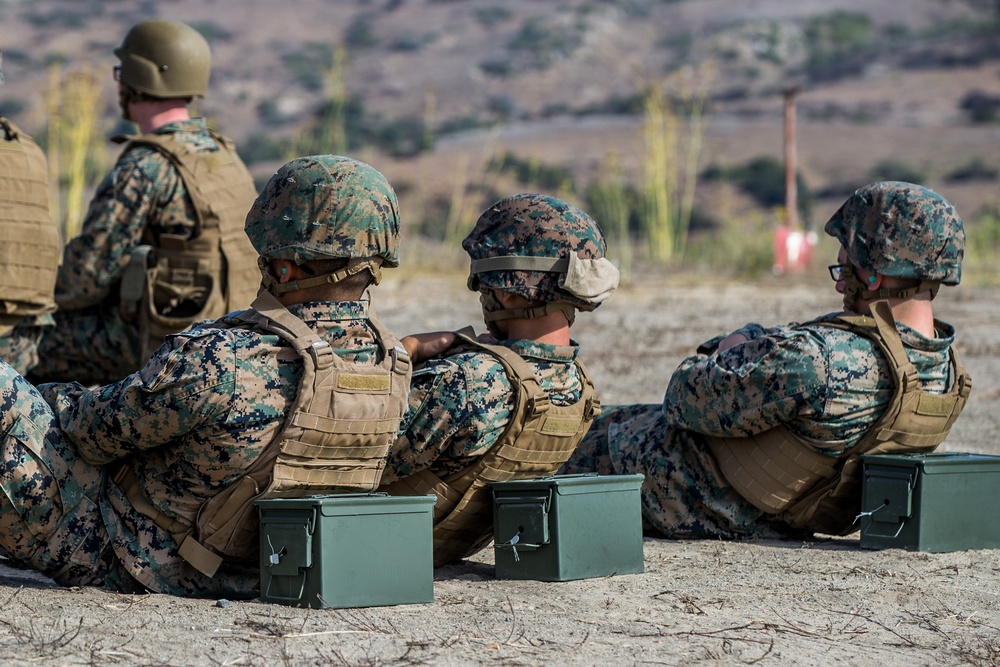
(792, 247)
(791, 192)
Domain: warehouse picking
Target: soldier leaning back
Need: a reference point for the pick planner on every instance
(760, 434)
(103, 487)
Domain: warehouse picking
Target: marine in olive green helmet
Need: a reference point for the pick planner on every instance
(162, 59)
(331, 216)
(543, 250)
(900, 231)
(761, 432)
(162, 245)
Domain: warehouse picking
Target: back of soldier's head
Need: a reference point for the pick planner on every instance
(327, 207)
(165, 59)
(901, 230)
(543, 250)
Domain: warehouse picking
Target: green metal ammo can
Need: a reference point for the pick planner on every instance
(567, 527)
(943, 501)
(348, 550)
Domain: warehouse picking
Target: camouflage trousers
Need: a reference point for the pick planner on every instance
(50, 517)
(683, 493)
(93, 346)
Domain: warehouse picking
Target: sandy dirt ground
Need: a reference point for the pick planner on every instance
(698, 602)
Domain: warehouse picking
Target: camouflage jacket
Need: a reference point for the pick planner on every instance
(827, 385)
(19, 346)
(460, 405)
(142, 190)
(189, 423)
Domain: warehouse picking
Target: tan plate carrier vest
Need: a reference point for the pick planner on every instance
(540, 437)
(335, 440)
(29, 241)
(781, 475)
(173, 281)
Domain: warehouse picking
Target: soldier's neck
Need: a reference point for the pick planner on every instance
(150, 116)
(551, 329)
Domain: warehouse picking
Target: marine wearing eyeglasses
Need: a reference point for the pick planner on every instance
(759, 433)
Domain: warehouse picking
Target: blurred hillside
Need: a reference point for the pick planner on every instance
(459, 102)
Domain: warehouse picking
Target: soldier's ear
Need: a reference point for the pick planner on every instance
(508, 300)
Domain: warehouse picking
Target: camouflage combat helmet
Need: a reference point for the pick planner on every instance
(327, 207)
(165, 59)
(541, 249)
(901, 230)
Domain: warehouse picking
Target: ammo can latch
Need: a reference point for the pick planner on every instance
(289, 538)
(890, 496)
(525, 519)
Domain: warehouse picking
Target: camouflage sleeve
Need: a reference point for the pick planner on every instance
(458, 408)
(190, 381)
(94, 260)
(750, 388)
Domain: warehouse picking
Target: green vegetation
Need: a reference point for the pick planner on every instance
(743, 247)
(490, 16)
(837, 34)
(974, 170)
(895, 170)
(72, 142)
(533, 172)
(11, 107)
(360, 34)
(308, 65)
(763, 178)
(542, 41)
(982, 249)
(981, 107)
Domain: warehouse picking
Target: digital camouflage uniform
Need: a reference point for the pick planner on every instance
(189, 423)
(19, 346)
(463, 404)
(91, 342)
(827, 386)
(459, 405)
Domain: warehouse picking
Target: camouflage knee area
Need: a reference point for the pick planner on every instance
(593, 454)
(47, 506)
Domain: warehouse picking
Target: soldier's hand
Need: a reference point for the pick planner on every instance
(423, 346)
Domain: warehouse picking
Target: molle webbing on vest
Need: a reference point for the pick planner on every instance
(335, 439)
(217, 265)
(29, 240)
(539, 438)
(345, 417)
(781, 474)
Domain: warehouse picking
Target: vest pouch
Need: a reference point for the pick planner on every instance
(227, 523)
(177, 297)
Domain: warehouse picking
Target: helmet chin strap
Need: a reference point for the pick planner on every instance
(855, 288)
(493, 312)
(372, 264)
